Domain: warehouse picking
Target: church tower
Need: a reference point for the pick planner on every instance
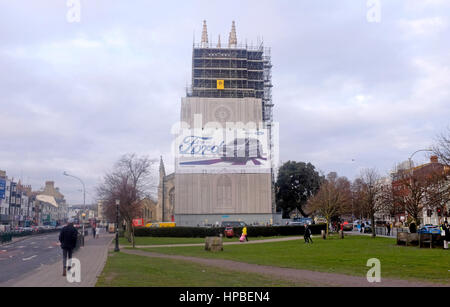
(222, 173)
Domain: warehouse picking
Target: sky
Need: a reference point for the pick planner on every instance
(349, 93)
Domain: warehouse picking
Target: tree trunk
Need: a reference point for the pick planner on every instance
(132, 236)
(372, 219)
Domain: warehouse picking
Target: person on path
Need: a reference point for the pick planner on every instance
(307, 235)
(244, 232)
(68, 238)
(94, 230)
(388, 228)
(362, 227)
(446, 234)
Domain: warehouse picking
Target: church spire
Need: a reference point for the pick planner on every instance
(232, 41)
(219, 45)
(204, 35)
(162, 171)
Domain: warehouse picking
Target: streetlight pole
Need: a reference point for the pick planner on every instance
(116, 249)
(411, 172)
(410, 158)
(84, 196)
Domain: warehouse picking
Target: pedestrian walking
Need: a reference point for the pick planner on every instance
(388, 228)
(244, 233)
(445, 234)
(94, 230)
(362, 227)
(307, 235)
(68, 238)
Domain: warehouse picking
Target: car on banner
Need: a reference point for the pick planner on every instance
(243, 150)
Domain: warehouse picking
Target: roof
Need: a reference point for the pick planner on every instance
(47, 199)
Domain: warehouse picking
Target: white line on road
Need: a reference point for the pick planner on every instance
(29, 258)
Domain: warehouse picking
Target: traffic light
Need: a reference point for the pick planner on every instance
(439, 212)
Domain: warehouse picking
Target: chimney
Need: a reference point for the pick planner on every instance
(434, 159)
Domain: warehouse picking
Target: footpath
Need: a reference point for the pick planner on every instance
(92, 257)
(312, 278)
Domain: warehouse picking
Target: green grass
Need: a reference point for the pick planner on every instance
(124, 270)
(348, 256)
(167, 240)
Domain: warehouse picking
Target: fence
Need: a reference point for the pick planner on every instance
(382, 231)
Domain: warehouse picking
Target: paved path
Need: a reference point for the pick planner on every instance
(295, 275)
(224, 243)
(92, 257)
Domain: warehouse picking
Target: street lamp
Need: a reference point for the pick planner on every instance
(116, 249)
(84, 195)
(410, 158)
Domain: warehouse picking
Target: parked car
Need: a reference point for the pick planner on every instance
(291, 223)
(304, 220)
(233, 224)
(229, 232)
(347, 226)
(436, 230)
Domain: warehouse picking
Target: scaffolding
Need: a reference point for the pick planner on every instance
(246, 71)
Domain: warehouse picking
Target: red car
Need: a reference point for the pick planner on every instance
(229, 232)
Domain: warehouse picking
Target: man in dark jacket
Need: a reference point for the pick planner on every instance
(446, 237)
(307, 235)
(68, 238)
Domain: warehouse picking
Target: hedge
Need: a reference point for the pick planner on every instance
(201, 232)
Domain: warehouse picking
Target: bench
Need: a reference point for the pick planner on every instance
(426, 238)
(407, 238)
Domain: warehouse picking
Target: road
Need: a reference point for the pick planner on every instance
(25, 256)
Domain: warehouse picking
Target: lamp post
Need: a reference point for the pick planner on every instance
(411, 172)
(84, 195)
(410, 158)
(116, 249)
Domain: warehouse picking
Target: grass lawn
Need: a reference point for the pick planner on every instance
(165, 241)
(348, 256)
(123, 270)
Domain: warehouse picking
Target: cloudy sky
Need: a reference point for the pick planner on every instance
(348, 93)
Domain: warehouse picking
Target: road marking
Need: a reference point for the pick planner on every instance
(29, 258)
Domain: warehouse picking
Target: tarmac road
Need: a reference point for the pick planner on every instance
(25, 256)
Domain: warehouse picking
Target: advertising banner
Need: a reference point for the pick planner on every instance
(222, 150)
(2, 188)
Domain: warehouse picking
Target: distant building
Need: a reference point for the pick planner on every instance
(429, 215)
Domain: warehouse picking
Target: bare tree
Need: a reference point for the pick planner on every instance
(129, 182)
(442, 147)
(332, 199)
(417, 191)
(371, 188)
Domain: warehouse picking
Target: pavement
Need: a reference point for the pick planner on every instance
(40, 263)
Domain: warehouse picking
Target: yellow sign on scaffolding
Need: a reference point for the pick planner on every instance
(220, 84)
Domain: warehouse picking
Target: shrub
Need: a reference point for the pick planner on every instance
(200, 232)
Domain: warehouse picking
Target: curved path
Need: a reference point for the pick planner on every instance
(295, 275)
